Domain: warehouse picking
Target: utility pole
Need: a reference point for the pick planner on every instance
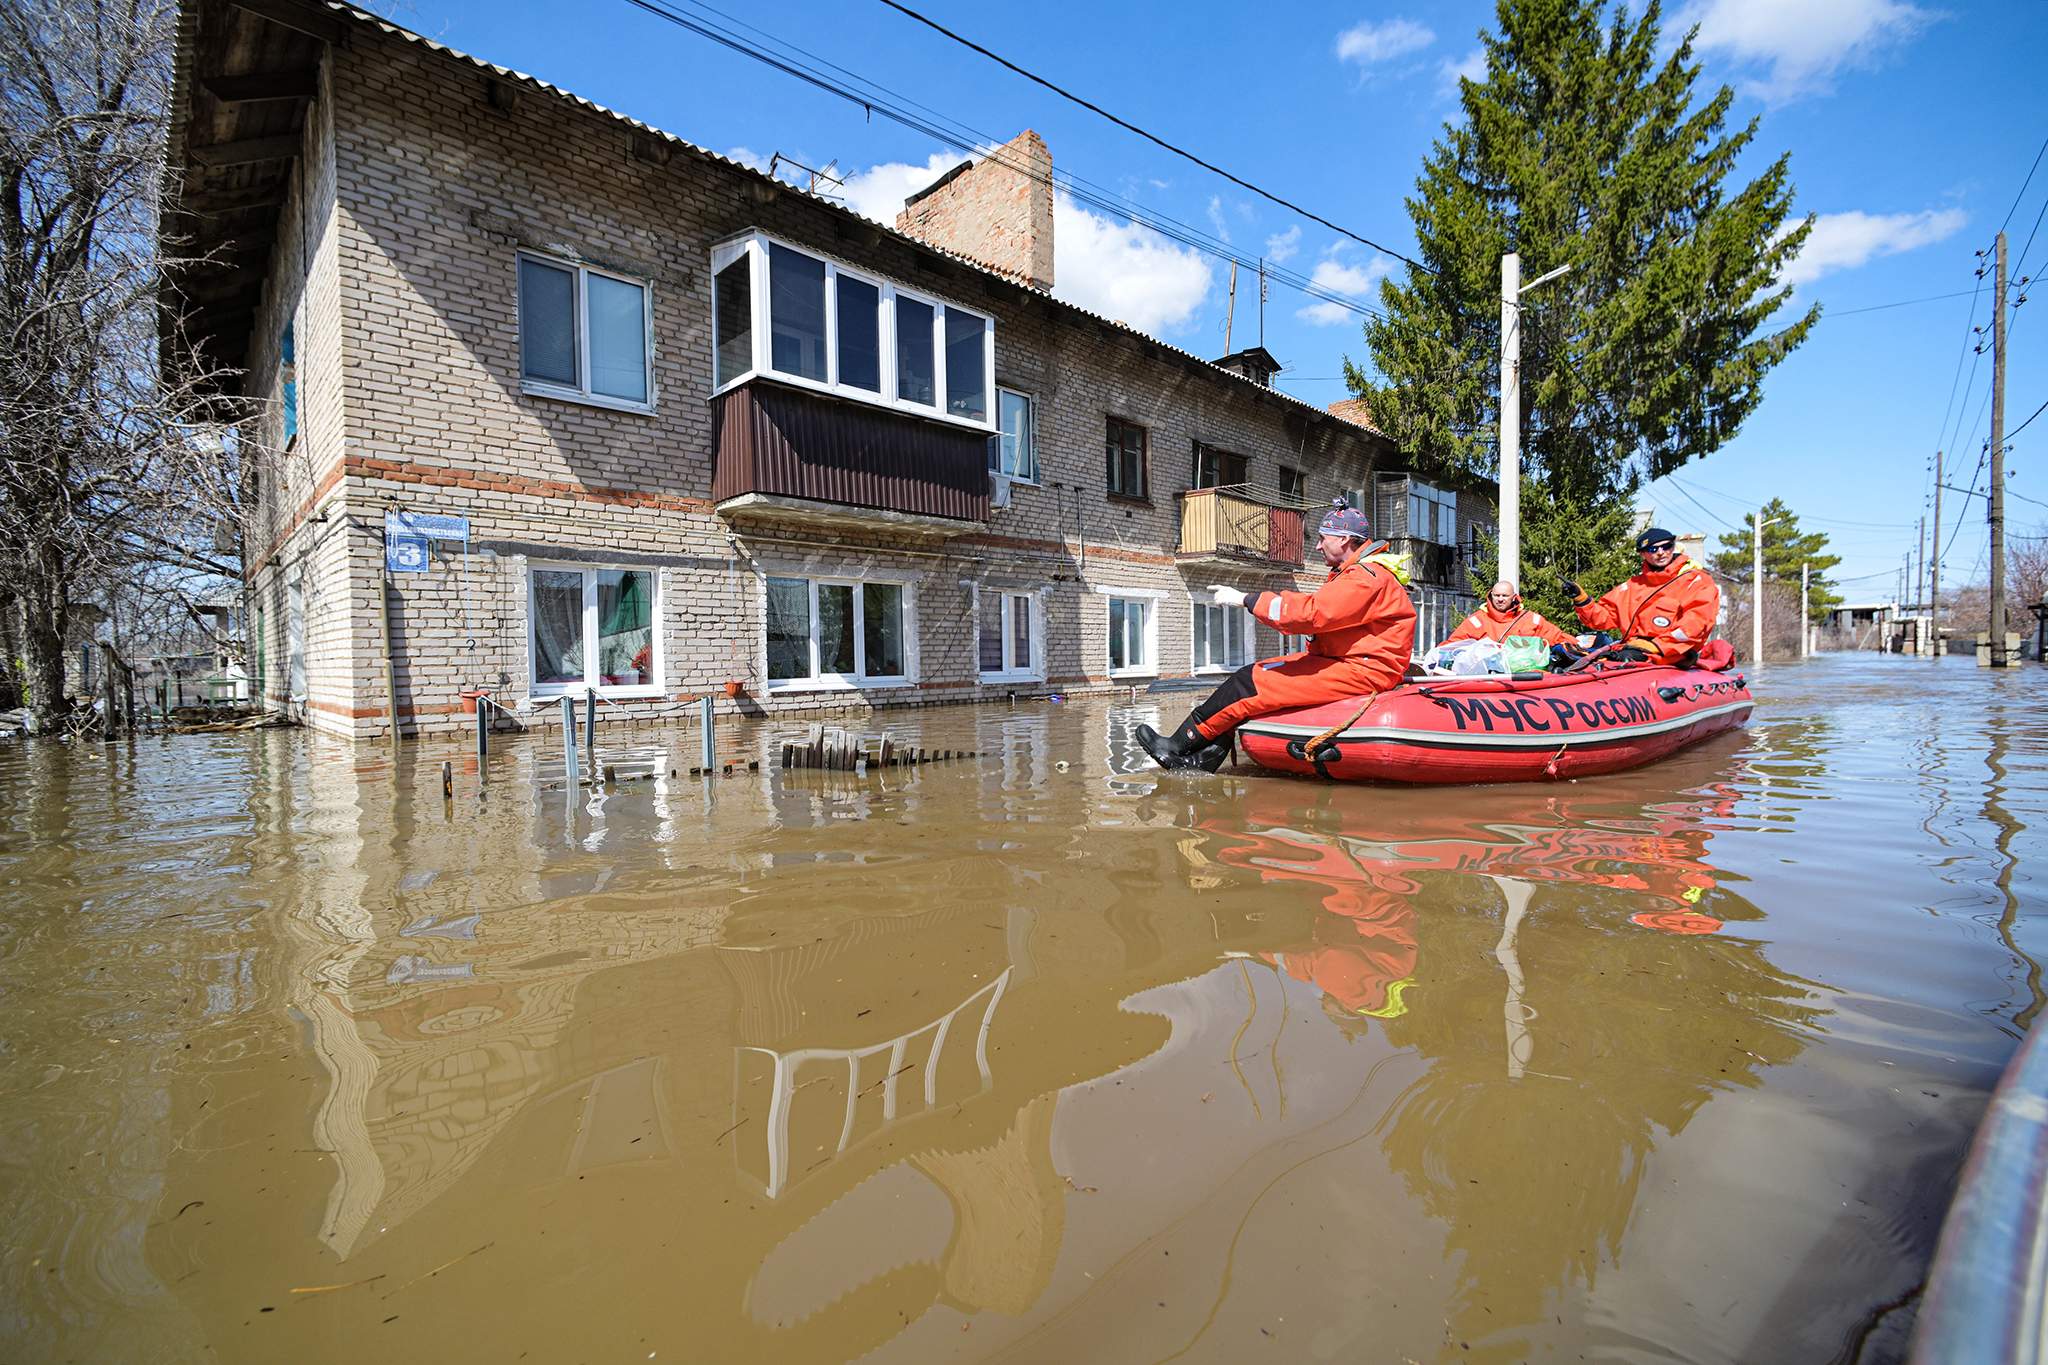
(1511, 291)
(1230, 313)
(1805, 605)
(1756, 587)
(1934, 569)
(1996, 504)
(1920, 564)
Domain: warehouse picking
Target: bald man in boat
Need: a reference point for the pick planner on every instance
(1361, 625)
(1502, 615)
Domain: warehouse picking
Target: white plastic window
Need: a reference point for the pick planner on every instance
(837, 329)
(838, 633)
(584, 334)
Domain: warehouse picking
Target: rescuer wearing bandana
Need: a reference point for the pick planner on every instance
(1664, 614)
(1361, 625)
(1502, 615)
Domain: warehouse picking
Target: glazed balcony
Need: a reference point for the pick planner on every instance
(785, 455)
(1236, 526)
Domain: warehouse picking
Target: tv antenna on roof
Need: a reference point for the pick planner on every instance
(818, 175)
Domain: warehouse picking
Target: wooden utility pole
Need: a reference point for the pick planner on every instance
(1996, 504)
(1934, 568)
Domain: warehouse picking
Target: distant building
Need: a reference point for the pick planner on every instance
(694, 431)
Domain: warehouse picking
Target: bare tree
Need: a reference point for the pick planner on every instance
(116, 461)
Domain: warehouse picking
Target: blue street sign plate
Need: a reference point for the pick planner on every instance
(430, 525)
(405, 553)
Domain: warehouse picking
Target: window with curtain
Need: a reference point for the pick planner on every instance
(847, 632)
(1131, 639)
(594, 628)
(1222, 637)
(1004, 635)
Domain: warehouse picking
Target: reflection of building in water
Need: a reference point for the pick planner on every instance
(429, 1070)
(921, 1049)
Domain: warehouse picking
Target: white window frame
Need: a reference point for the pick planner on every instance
(1031, 436)
(581, 391)
(549, 691)
(1005, 602)
(1150, 599)
(1236, 621)
(753, 245)
(818, 681)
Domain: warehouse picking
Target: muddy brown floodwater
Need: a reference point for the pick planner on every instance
(1042, 1056)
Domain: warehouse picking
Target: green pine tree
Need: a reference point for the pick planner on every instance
(1786, 547)
(1582, 147)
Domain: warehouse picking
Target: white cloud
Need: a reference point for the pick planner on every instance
(747, 157)
(1333, 275)
(1281, 245)
(1803, 44)
(1471, 67)
(1369, 43)
(1118, 269)
(1216, 218)
(1124, 271)
(1843, 241)
(879, 191)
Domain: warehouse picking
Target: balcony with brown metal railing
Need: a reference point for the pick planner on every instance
(785, 455)
(1239, 525)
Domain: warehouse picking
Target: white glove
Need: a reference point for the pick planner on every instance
(1226, 597)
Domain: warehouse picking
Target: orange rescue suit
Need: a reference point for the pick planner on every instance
(1488, 624)
(1673, 610)
(1362, 625)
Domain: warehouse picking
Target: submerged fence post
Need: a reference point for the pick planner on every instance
(575, 776)
(704, 732)
(483, 735)
(590, 733)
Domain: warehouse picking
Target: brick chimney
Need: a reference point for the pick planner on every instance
(992, 210)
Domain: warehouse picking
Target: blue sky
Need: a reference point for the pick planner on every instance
(1911, 128)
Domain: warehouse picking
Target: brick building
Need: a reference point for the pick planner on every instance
(694, 431)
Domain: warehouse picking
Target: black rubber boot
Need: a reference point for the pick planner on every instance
(1184, 748)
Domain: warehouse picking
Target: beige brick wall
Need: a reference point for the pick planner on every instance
(294, 532)
(410, 348)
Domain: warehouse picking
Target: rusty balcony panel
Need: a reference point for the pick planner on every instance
(777, 443)
(1228, 526)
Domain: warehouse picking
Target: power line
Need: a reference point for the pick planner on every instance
(2030, 417)
(1901, 303)
(2020, 261)
(976, 144)
(2023, 184)
(1672, 479)
(1064, 93)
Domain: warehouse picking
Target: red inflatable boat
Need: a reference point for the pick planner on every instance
(1495, 729)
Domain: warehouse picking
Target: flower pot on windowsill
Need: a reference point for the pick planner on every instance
(732, 688)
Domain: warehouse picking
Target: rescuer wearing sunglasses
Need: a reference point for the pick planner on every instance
(1663, 614)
